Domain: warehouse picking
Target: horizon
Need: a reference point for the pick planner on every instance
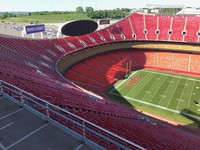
(71, 5)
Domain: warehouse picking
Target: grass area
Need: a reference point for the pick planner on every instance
(164, 94)
(54, 18)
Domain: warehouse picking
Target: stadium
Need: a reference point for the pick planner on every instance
(126, 86)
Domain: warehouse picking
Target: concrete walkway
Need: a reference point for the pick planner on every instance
(23, 130)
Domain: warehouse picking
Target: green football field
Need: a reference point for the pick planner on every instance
(169, 95)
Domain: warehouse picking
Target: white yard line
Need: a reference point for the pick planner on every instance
(150, 88)
(147, 103)
(173, 93)
(190, 96)
(138, 84)
(157, 90)
(181, 95)
(166, 90)
(124, 81)
(154, 105)
(171, 75)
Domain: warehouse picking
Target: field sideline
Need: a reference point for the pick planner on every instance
(161, 93)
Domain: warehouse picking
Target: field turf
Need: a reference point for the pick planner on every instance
(169, 95)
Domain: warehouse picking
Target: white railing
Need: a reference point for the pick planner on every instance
(64, 117)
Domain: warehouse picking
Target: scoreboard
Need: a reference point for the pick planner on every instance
(104, 21)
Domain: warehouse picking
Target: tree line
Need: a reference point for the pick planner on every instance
(91, 13)
(7, 15)
(100, 14)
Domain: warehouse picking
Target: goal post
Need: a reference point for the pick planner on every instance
(130, 66)
(128, 69)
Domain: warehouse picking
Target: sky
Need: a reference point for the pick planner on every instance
(71, 5)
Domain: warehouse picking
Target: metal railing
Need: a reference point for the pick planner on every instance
(86, 129)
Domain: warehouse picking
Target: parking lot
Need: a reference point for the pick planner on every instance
(15, 29)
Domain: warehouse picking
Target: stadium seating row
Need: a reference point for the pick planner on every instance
(30, 65)
(151, 27)
(102, 70)
(111, 116)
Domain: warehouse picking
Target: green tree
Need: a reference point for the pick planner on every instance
(89, 11)
(6, 15)
(98, 15)
(79, 9)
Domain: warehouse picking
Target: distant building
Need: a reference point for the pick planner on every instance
(155, 11)
(189, 11)
(140, 10)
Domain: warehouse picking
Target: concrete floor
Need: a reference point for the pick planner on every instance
(23, 130)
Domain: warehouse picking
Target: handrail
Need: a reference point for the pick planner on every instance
(56, 110)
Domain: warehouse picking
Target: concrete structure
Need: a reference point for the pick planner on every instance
(21, 129)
